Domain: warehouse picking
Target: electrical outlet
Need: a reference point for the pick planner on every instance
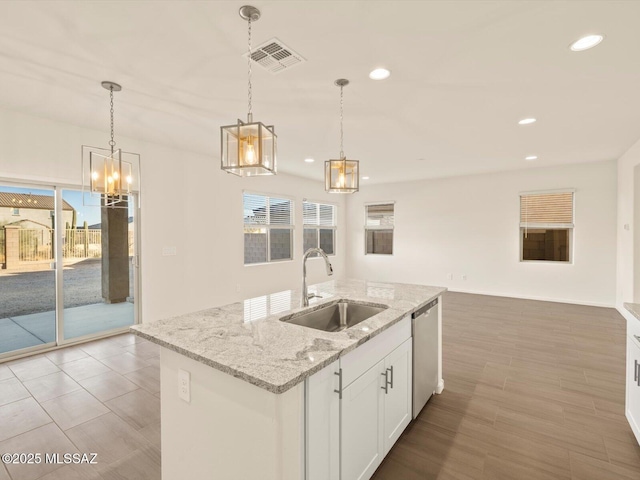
(449, 276)
(464, 276)
(184, 385)
(169, 251)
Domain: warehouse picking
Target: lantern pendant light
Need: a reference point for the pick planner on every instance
(248, 149)
(341, 176)
(109, 173)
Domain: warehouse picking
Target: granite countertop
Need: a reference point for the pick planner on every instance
(248, 341)
(634, 309)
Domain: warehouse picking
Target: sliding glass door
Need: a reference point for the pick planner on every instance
(98, 275)
(63, 279)
(27, 268)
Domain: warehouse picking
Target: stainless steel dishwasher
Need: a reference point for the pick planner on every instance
(424, 328)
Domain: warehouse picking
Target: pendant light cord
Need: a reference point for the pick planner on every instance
(112, 142)
(250, 114)
(341, 121)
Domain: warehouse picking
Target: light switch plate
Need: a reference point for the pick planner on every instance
(184, 385)
(169, 251)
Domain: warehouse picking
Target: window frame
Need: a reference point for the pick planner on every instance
(369, 227)
(268, 227)
(333, 227)
(15, 212)
(548, 226)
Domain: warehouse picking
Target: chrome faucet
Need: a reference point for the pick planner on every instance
(305, 295)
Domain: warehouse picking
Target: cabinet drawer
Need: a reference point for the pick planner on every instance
(358, 361)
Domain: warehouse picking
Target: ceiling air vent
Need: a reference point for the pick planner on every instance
(274, 56)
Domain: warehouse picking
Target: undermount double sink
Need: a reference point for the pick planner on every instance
(335, 317)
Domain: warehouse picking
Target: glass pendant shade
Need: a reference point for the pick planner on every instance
(112, 176)
(248, 149)
(341, 176)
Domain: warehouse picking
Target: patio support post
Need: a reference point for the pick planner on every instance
(115, 254)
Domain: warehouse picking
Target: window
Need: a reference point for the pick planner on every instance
(319, 227)
(268, 229)
(378, 229)
(546, 226)
(16, 211)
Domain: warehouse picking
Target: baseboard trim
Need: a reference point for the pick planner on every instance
(531, 297)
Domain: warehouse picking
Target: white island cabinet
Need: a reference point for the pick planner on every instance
(247, 395)
(374, 408)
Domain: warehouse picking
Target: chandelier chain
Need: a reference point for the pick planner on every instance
(112, 142)
(341, 121)
(249, 68)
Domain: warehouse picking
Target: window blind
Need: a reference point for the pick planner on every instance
(319, 214)
(255, 209)
(263, 210)
(547, 209)
(379, 216)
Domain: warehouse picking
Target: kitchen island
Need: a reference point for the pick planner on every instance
(252, 386)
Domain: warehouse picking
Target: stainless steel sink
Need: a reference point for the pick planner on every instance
(334, 317)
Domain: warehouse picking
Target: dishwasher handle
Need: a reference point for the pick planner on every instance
(425, 309)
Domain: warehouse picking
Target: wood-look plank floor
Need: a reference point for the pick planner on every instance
(533, 390)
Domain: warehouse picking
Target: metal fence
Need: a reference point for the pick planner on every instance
(37, 244)
(82, 244)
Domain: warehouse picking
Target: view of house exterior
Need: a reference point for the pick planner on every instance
(32, 211)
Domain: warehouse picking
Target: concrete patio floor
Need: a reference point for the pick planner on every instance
(23, 331)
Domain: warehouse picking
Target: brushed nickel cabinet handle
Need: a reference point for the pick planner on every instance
(390, 369)
(339, 391)
(386, 381)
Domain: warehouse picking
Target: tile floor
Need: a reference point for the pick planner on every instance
(533, 390)
(100, 397)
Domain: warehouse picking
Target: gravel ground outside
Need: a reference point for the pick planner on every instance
(34, 292)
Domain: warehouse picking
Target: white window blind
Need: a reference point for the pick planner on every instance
(319, 226)
(546, 210)
(268, 228)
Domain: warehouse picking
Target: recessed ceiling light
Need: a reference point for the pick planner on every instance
(309, 160)
(379, 74)
(531, 157)
(527, 121)
(585, 43)
(365, 178)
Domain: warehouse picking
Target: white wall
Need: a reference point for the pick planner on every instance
(470, 226)
(627, 198)
(187, 202)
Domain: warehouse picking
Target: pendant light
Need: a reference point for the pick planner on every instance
(109, 173)
(341, 176)
(249, 148)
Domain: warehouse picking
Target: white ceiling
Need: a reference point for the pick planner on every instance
(464, 73)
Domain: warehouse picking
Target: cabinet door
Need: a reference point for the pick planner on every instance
(397, 400)
(633, 389)
(362, 425)
(323, 424)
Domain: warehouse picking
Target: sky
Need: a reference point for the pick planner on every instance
(90, 213)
